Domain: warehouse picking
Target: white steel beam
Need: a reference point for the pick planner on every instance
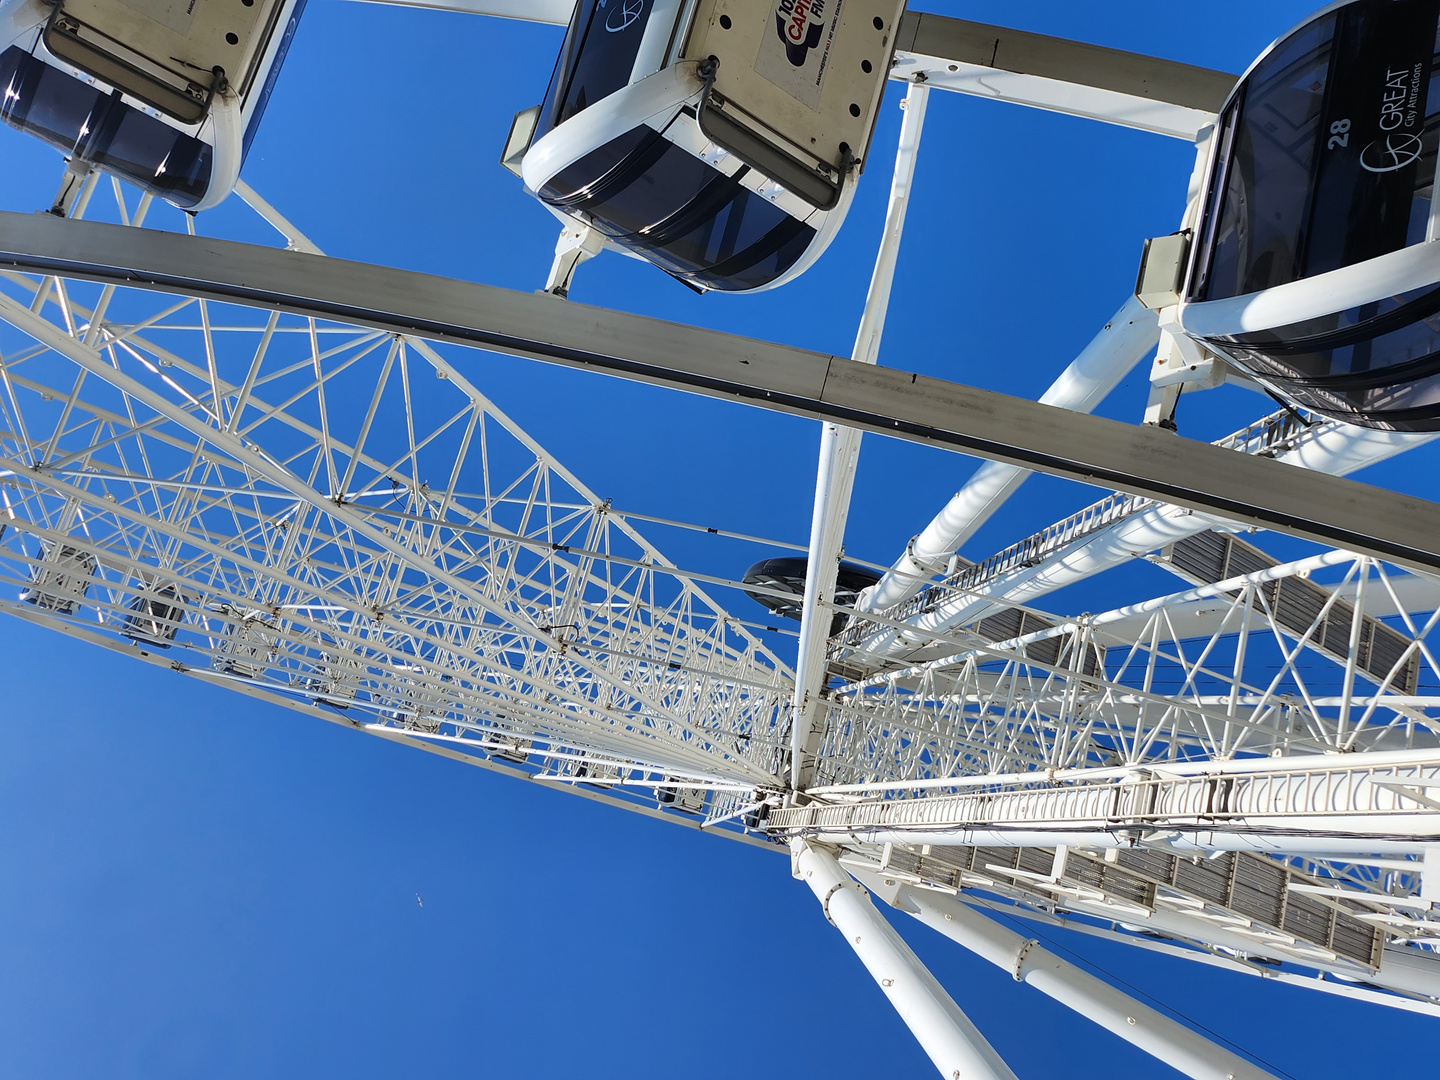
(839, 455)
(1058, 75)
(1213, 934)
(954, 1044)
(1125, 340)
(1142, 460)
(1027, 961)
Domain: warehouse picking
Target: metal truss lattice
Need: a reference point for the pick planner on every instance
(340, 517)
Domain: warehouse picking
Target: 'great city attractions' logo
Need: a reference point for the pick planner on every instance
(1390, 153)
(801, 26)
(623, 15)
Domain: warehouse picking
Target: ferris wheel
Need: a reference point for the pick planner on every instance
(275, 471)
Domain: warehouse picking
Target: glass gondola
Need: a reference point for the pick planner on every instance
(164, 96)
(1315, 266)
(787, 575)
(718, 139)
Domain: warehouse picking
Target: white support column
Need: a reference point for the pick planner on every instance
(1143, 1027)
(954, 1044)
(577, 243)
(839, 454)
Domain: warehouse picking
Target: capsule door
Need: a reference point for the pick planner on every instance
(794, 85)
(173, 56)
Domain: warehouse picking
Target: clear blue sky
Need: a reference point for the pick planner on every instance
(196, 885)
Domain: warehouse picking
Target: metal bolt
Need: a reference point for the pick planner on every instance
(1131, 1021)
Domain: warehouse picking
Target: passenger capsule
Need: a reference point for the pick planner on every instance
(718, 139)
(787, 575)
(164, 95)
(1314, 266)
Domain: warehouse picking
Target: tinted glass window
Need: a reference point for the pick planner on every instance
(732, 241)
(44, 101)
(1368, 320)
(101, 129)
(721, 222)
(602, 168)
(1327, 155)
(596, 58)
(1378, 363)
(153, 154)
(1265, 189)
(658, 184)
(688, 218)
(775, 252)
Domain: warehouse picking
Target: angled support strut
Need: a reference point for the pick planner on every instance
(954, 1044)
(1167, 1040)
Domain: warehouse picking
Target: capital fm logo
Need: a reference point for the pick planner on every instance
(796, 22)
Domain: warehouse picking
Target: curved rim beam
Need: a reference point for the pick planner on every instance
(1145, 461)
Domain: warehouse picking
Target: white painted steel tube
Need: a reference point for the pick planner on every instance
(1126, 339)
(1337, 449)
(1138, 1024)
(882, 278)
(839, 454)
(834, 481)
(954, 1044)
(1401, 969)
